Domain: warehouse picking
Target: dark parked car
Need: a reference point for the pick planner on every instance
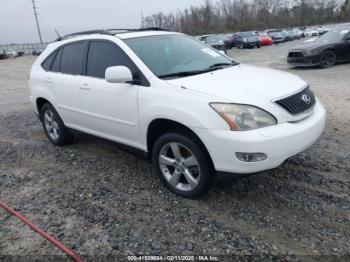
(3, 55)
(216, 42)
(292, 35)
(330, 48)
(247, 40)
(228, 40)
(277, 37)
(37, 52)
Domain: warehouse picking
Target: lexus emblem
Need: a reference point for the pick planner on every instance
(306, 98)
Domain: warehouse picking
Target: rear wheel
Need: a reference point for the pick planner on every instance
(54, 127)
(182, 165)
(328, 59)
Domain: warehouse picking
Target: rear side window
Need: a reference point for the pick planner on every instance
(48, 61)
(72, 58)
(56, 63)
(102, 55)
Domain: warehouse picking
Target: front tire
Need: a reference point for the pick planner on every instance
(182, 165)
(54, 128)
(328, 59)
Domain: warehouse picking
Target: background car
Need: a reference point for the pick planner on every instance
(226, 40)
(216, 42)
(330, 48)
(277, 37)
(12, 53)
(37, 52)
(311, 32)
(247, 40)
(292, 35)
(3, 54)
(230, 43)
(265, 40)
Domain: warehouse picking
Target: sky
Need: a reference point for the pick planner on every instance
(17, 22)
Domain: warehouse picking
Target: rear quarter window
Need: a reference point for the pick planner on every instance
(46, 65)
(55, 67)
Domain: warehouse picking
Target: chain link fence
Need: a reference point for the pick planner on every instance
(27, 48)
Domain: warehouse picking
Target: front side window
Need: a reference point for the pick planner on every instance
(170, 54)
(103, 55)
(72, 58)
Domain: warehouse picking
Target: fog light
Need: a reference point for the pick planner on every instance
(251, 157)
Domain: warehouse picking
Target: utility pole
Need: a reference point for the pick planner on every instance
(142, 21)
(37, 23)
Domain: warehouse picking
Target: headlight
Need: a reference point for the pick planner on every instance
(244, 117)
(245, 40)
(311, 52)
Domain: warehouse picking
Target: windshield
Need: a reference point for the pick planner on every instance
(170, 54)
(333, 36)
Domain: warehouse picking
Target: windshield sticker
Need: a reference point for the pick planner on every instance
(344, 32)
(210, 52)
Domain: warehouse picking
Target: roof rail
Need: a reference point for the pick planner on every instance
(89, 32)
(111, 31)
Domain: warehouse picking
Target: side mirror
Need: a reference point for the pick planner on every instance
(118, 74)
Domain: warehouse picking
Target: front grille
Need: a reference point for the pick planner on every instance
(299, 102)
(295, 54)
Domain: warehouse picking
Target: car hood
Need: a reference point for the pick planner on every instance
(243, 84)
(312, 45)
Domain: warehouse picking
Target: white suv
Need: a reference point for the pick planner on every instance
(192, 110)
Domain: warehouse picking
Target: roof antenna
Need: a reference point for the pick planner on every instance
(58, 35)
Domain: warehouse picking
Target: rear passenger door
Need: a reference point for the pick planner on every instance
(110, 110)
(65, 80)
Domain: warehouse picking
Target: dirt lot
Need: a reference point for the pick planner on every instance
(102, 201)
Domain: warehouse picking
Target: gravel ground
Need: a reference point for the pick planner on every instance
(103, 202)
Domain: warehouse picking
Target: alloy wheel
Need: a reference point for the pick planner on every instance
(51, 124)
(179, 166)
(328, 59)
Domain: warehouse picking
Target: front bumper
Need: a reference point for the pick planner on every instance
(278, 142)
(250, 44)
(305, 60)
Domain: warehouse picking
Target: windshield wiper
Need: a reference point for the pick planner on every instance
(184, 73)
(211, 68)
(224, 64)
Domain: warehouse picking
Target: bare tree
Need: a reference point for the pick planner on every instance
(241, 15)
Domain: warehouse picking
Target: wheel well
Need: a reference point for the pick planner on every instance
(39, 104)
(159, 127)
(329, 49)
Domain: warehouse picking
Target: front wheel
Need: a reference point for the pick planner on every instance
(182, 165)
(328, 59)
(54, 127)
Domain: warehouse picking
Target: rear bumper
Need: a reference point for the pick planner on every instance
(278, 142)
